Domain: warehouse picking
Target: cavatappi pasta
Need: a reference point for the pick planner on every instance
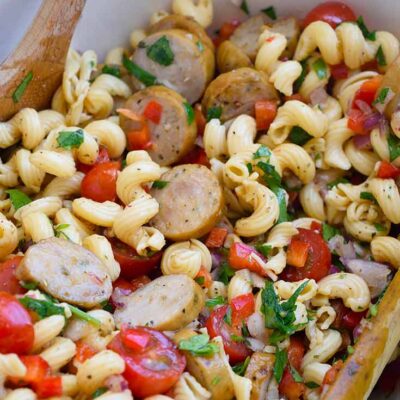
(168, 232)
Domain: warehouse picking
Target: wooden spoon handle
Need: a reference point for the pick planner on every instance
(42, 51)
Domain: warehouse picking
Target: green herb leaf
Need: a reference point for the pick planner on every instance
(70, 139)
(320, 68)
(380, 99)
(271, 177)
(299, 136)
(189, 112)
(336, 182)
(295, 374)
(366, 33)
(394, 146)
(20, 90)
(214, 112)
(29, 285)
(200, 46)
(99, 392)
(226, 273)
(281, 196)
(350, 349)
(240, 369)
(373, 310)
(18, 198)
(328, 232)
(111, 70)
(249, 167)
(281, 360)
(264, 249)
(299, 81)
(43, 308)
(270, 11)
(312, 385)
(216, 301)
(380, 57)
(200, 280)
(237, 338)
(244, 330)
(228, 316)
(216, 380)
(262, 151)
(84, 316)
(140, 74)
(159, 184)
(58, 230)
(245, 7)
(367, 196)
(106, 306)
(380, 227)
(160, 52)
(199, 345)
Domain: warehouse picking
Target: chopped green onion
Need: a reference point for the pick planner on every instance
(140, 74)
(20, 90)
(245, 7)
(214, 112)
(161, 52)
(18, 199)
(84, 316)
(270, 11)
(189, 112)
(320, 68)
(365, 31)
(380, 57)
(111, 70)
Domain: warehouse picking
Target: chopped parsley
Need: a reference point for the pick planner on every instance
(394, 146)
(200, 280)
(380, 99)
(200, 46)
(380, 227)
(228, 316)
(199, 345)
(107, 306)
(336, 182)
(59, 231)
(367, 196)
(262, 151)
(281, 359)
(249, 167)
(214, 112)
(270, 11)
(29, 285)
(43, 308)
(328, 232)
(189, 112)
(295, 374)
(380, 57)
(111, 70)
(20, 90)
(245, 7)
(365, 31)
(264, 249)
(70, 139)
(312, 385)
(240, 369)
(160, 184)
(299, 81)
(350, 349)
(216, 301)
(226, 273)
(299, 136)
(320, 69)
(140, 74)
(18, 199)
(160, 52)
(99, 392)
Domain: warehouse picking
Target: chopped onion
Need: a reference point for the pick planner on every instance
(364, 107)
(333, 269)
(395, 121)
(255, 345)
(362, 142)
(256, 327)
(318, 96)
(383, 126)
(116, 383)
(372, 121)
(216, 258)
(199, 141)
(338, 244)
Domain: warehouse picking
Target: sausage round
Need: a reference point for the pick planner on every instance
(168, 303)
(67, 272)
(190, 203)
(236, 92)
(230, 57)
(173, 137)
(192, 68)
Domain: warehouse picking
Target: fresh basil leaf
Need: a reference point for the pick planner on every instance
(264, 249)
(295, 374)
(336, 182)
(312, 385)
(160, 52)
(328, 232)
(189, 112)
(299, 136)
(228, 316)
(140, 74)
(320, 68)
(281, 360)
(99, 392)
(216, 301)
(20, 90)
(245, 7)
(365, 31)
(270, 11)
(199, 345)
(380, 99)
(226, 273)
(214, 112)
(299, 81)
(18, 199)
(111, 70)
(70, 139)
(367, 196)
(240, 369)
(159, 184)
(262, 151)
(380, 57)
(394, 146)
(271, 177)
(43, 308)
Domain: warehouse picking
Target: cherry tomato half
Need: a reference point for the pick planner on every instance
(196, 156)
(289, 388)
(318, 260)
(8, 281)
(153, 363)
(133, 265)
(99, 184)
(332, 12)
(123, 288)
(16, 328)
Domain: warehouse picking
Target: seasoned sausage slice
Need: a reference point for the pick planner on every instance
(236, 92)
(230, 57)
(191, 64)
(190, 203)
(67, 272)
(168, 303)
(174, 136)
(290, 28)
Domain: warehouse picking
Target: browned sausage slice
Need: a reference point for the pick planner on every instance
(67, 272)
(236, 92)
(290, 28)
(173, 137)
(190, 204)
(230, 57)
(192, 66)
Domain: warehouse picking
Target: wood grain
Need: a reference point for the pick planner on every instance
(42, 50)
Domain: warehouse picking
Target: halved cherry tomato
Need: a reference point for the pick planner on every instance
(217, 326)
(296, 352)
(289, 388)
(49, 386)
(242, 307)
(387, 170)
(367, 91)
(153, 111)
(356, 122)
(83, 351)
(133, 265)
(316, 226)
(200, 119)
(332, 373)
(216, 237)
(8, 281)
(240, 257)
(204, 278)
(226, 31)
(297, 253)
(16, 328)
(265, 112)
(318, 261)
(152, 362)
(103, 157)
(332, 12)
(339, 71)
(351, 318)
(100, 183)
(196, 156)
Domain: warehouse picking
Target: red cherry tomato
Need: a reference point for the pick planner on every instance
(216, 326)
(265, 112)
(123, 288)
(367, 92)
(242, 307)
(36, 369)
(16, 328)
(339, 71)
(49, 386)
(351, 319)
(152, 362)
(296, 352)
(83, 352)
(332, 12)
(8, 281)
(318, 261)
(289, 388)
(240, 257)
(103, 157)
(99, 184)
(387, 170)
(133, 265)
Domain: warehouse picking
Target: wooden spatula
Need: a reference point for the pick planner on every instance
(32, 73)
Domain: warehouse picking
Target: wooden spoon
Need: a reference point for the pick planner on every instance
(38, 61)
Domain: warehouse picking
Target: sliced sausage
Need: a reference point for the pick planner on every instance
(190, 204)
(391, 80)
(236, 92)
(173, 137)
(192, 66)
(168, 303)
(230, 57)
(259, 371)
(67, 272)
(290, 28)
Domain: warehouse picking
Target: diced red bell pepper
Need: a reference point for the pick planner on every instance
(216, 237)
(196, 156)
(289, 388)
(83, 351)
(153, 111)
(332, 373)
(297, 253)
(242, 307)
(355, 122)
(387, 170)
(339, 71)
(351, 319)
(204, 278)
(241, 257)
(226, 31)
(367, 91)
(49, 386)
(139, 138)
(265, 112)
(200, 119)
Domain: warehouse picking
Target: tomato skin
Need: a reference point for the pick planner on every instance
(196, 156)
(100, 183)
(200, 119)
(332, 373)
(133, 265)
(387, 170)
(242, 307)
(240, 258)
(8, 281)
(351, 319)
(331, 12)
(339, 71)
(318, 261)
(204, 278)
(296, 352)
(355, 122)
(216, 237)
(16, 328)
(265, 112)
(103, 157)
(49, 386)
(297, 253)
(151, 368)
(83, 352)
(216, 326)
(289, 388)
